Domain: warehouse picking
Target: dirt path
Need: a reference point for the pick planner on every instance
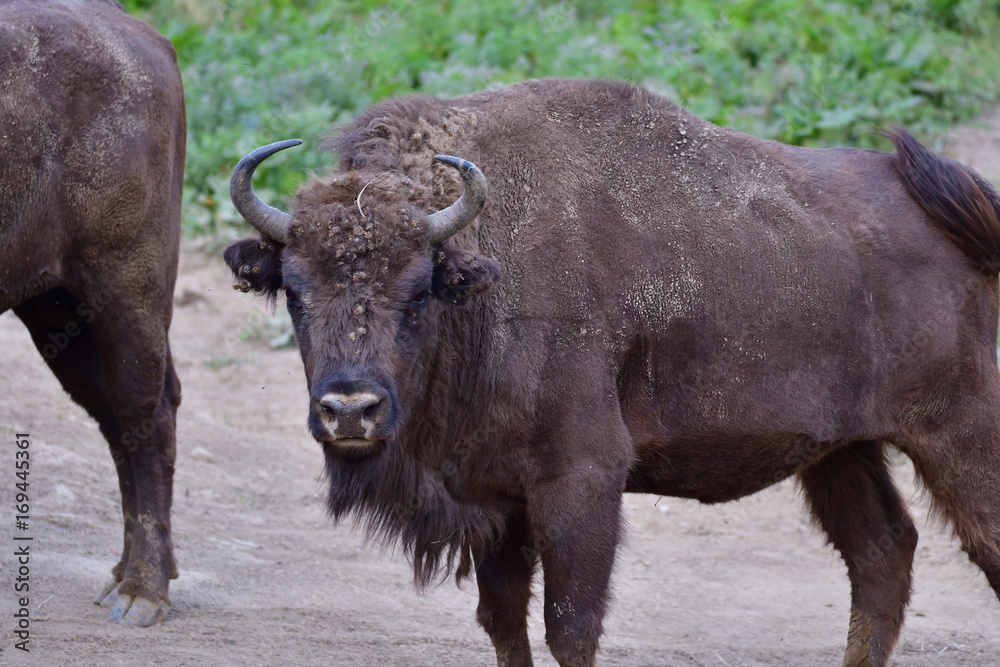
(265, 579)
(978, 146)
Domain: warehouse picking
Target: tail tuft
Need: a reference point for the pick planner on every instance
(962, 203)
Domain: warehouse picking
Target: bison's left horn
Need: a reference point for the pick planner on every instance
(449, 221)
(268, 220)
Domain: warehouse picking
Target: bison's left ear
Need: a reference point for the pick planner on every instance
(461, 275)
(256, 266)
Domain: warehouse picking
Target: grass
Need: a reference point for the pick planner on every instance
(807, 72)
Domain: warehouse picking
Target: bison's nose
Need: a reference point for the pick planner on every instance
(355, 415)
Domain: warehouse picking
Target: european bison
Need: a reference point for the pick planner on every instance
(92, 136)
(645, 302)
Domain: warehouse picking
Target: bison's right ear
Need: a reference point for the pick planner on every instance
(256, 265)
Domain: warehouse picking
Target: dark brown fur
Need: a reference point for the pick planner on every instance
(92, 132)
(672, 308)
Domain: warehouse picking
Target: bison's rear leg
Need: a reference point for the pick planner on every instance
(504, 579)
(960, 465)
(854, 500)
(117, 365)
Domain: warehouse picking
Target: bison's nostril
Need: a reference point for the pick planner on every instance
(371, 412)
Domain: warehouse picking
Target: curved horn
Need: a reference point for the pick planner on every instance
(447, 222)
(268, 220)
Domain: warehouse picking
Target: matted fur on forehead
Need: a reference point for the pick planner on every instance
(358, 226)
(403, 135)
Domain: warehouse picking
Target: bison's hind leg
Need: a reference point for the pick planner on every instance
(959, 464)
(852, 497)
(116, 364)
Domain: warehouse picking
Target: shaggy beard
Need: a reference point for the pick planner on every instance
(400, 501)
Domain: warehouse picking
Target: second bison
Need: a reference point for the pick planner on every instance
(92, 133)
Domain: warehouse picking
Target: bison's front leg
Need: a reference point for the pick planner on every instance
(577, 524)
(504, 579)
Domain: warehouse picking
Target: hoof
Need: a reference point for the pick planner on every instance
(134, 612)
(108, 595)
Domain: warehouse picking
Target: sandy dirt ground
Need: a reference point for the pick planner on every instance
(267, 580)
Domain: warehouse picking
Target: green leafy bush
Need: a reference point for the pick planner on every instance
(806, 72)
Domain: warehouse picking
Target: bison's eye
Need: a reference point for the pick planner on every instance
(416, 307)
(294, 303)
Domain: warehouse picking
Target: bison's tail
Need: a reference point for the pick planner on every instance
(961, 202)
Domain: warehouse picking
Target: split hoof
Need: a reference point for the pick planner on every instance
(108, 595)
(135, 612)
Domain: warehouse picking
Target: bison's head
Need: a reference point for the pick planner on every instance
(369, 279)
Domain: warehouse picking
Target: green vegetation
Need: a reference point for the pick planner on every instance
(803, 71)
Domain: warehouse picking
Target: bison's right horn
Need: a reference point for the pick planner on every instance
(449, 221)
(268, 220)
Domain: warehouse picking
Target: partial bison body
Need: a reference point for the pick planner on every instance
(92, 138)
(645, 302)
